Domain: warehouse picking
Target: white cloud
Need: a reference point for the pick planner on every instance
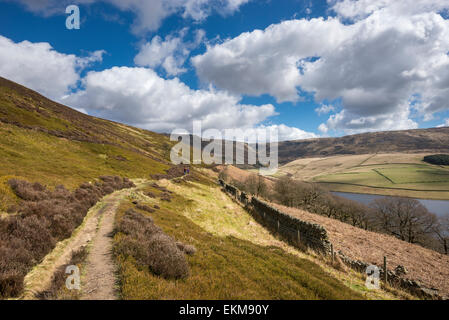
(445, 124)
(41, 68)
(323, 128)
(267, 61)
(137, 96)
(160, 52)
(392, 59)
(360, 9)
(286, 133)
(140, 97)
(149, 14)
(170, 53)
(267, 133)
(354, 123)
(324, 109)
(393, 64)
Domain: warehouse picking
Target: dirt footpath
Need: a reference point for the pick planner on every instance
(98, 281)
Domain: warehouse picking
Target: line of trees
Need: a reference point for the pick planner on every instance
(438, 159)
(405, 218)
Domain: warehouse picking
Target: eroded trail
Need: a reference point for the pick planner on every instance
(98, 281)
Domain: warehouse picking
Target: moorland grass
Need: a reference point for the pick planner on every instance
(40, 157)
(46, 142)
(223, 266)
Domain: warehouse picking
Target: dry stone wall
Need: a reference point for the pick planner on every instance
(294, 230)
(297, 232)
(305, 234)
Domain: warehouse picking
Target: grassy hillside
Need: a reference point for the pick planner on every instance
(235, 257)
(389, 174)
(44, 141)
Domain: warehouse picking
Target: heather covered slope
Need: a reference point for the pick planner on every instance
(429, 267)
(45, 146)
(43, 141)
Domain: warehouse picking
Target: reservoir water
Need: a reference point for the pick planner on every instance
(439, 207)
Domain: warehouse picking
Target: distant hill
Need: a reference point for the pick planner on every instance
(421, 140)
(434, 140)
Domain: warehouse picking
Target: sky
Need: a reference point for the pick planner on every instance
(303, 68)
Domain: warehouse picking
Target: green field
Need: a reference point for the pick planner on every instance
(385, 174)
(413, 177)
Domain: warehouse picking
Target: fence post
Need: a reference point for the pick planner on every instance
(278, 225)
(298, 237)
(385, 270)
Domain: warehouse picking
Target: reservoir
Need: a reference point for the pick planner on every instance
(439, 207)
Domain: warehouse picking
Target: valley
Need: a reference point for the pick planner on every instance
(224, 253)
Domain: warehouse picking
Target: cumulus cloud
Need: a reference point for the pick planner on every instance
(149, 14)
(324, 109)
(169, 53)
(140, 97)
(136, 96)
(445, 124)
(266, 133)
(286, 133)
(354, 123)
(41, 68)
(269, 61)
(390, 59)
(360, 9)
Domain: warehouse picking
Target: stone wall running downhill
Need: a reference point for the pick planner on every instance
(412, 286)
(297, 232)
(303, 234)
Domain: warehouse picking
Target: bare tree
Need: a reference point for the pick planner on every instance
(261, 189)
(330, 205)
(311, 194)
(284, 191)
(405, 218)
(255, 185)
(441, 232)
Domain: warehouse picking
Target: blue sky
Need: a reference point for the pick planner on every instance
(217, 68)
